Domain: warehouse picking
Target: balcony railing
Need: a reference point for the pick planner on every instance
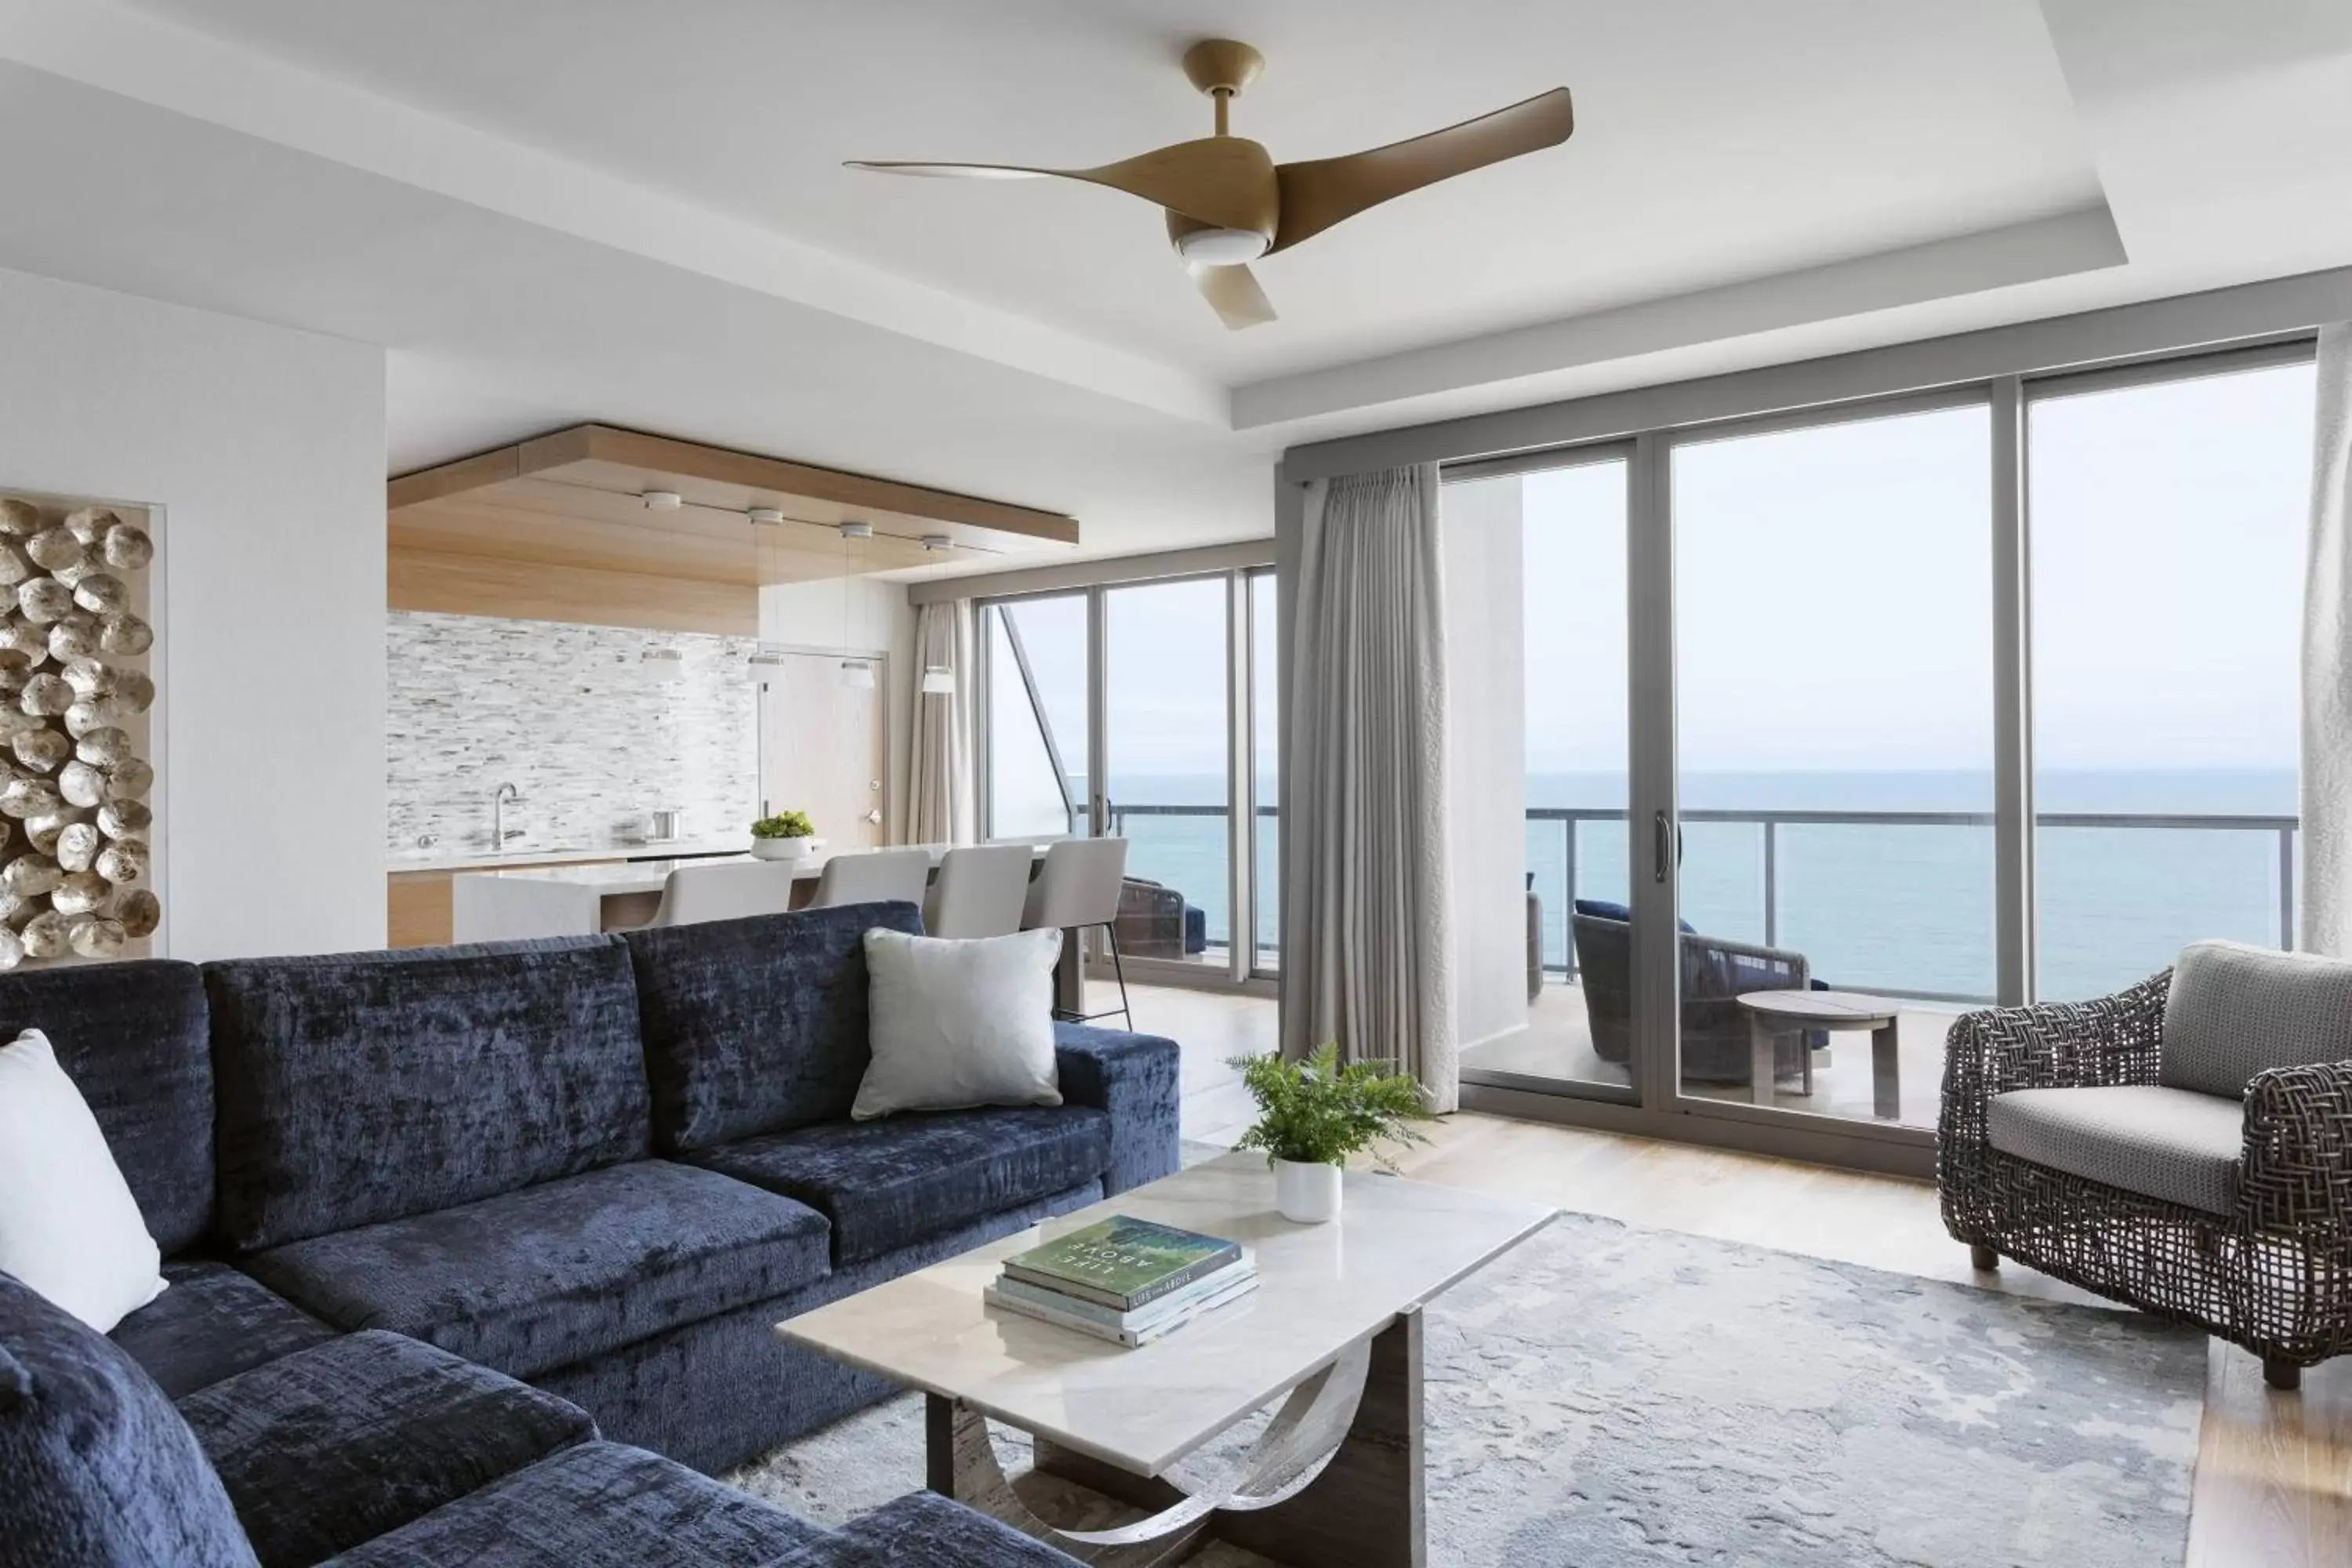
(1770, 822)
(1206, 885)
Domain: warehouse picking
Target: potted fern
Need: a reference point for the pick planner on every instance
(787, 836)
(1313, 1115)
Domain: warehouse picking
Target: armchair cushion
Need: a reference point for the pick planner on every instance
(2236, 1010)
(2169, 1143)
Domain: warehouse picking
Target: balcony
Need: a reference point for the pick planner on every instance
(1896, 903)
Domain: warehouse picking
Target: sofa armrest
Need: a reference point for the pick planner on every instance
(2296, 1173)
(1133, 1076)
(2052, 1044)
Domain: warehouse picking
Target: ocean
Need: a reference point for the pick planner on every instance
(1872, 906)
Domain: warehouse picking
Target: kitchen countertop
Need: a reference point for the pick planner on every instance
(442, 859)
(647, 876)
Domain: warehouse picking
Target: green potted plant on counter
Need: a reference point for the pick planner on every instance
(787, 836)
(1313, 1115)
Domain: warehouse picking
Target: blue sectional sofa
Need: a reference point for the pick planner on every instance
(454, 1235)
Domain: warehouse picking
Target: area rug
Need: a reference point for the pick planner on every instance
(1606, 1395)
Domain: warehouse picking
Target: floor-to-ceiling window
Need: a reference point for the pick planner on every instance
(1143, 707)
(2168, 521)
(1167, 780)
(1265, 769)
(1034, 729)
(1982, 694)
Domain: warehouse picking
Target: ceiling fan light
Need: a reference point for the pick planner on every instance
(1220, 247)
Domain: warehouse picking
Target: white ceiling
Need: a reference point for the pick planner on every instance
(550, 210)
(1695, 162)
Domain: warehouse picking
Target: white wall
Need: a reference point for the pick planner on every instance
(857, 614)
(1485, 754)
(264, 449)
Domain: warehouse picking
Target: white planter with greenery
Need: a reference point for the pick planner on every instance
(1306, 1191)
(1313, 1115)
(787, 836)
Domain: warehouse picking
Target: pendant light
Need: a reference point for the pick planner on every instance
(856, 674)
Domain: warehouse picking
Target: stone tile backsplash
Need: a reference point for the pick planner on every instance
(570, 715)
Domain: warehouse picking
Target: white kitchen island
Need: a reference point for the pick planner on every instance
(583, 900)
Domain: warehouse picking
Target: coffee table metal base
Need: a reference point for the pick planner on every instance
(1362, 1508)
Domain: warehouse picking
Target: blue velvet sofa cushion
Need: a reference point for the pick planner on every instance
(924, 1529)
(720, 1393)
(365, 1087)
(334, 1445)
(542, 1278)
(97, 1468)
(1135, 1078)
(891, 1183)
(132, 1039)
(756, 1026)
(213, 1321)
(599, 1505)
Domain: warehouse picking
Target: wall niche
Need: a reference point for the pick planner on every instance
(78, 859)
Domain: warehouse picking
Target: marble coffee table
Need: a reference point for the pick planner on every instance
(1335, 1321)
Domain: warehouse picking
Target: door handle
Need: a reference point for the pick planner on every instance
(1659, 852)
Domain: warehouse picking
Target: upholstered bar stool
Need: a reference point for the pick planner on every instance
(1077, 887)
(979, 892)
(733, 891)
(874, 876)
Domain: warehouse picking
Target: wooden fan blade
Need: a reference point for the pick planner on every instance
(950, 171)
(1325, 191)
(1226, 182)
(1234, 294)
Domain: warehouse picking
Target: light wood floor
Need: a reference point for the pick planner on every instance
(2274, 1486)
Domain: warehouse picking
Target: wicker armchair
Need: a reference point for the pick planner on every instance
(2264, 1260)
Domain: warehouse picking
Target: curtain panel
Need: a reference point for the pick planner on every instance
(2324, 922)
(939, 755)
(1367, 941)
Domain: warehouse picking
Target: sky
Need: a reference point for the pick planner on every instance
(1834, 588)
(1833, 602)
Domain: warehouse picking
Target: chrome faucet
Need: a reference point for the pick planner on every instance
(507, 795)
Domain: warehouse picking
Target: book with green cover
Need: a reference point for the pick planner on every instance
(1122, 1262)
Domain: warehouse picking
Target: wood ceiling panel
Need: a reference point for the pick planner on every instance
(574, 498)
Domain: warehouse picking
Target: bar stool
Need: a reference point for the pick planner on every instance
(1077, 887)
(872, 876)
(734, 890)
(979, 892)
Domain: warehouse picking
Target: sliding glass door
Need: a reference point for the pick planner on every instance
(1569, 523)
(1841, 722)
(1833, 602)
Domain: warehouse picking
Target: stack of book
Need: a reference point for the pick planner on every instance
(1128, 1281)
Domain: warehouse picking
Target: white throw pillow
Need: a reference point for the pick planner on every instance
(959, 1024)
(69, 1228)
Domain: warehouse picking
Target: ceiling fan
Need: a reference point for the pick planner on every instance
(1228, 203)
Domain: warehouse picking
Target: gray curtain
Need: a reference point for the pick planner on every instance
(2325, 923)
(938, 757)
(1367, 941)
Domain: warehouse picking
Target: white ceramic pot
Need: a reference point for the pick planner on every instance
(780, 849)
(1308, 1193)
